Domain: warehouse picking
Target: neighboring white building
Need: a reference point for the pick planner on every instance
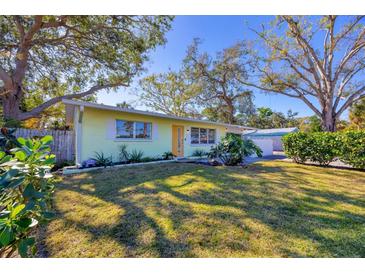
(262, 136)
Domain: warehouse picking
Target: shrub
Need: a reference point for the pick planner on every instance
(232, 150)
(199, 153)
(102, 160)
(136, 156)
(168, 155)
(298, 146)
(324, 147)
(26, 187)
(352, 148)
(123, 153)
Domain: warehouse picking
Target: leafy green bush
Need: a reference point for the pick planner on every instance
(232, 150)
(199, 153)
(324, 147)
(352, 148)
(102, 160)
(298, 146)
(26, 187)
(136, 156)
(168, 155)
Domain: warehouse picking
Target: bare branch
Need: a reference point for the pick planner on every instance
(356, 96)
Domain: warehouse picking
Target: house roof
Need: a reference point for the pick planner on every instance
(272, 132)
(148, 113)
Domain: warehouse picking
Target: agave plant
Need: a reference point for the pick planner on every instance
(136, 156)
(102, 160)
(199, 153)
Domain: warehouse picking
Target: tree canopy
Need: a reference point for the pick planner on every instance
(57, 57)
(219, 78)
(327, 78)
(357, 115)
(172, 93)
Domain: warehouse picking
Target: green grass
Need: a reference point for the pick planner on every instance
(270, 209)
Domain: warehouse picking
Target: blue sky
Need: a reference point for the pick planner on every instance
(217, 33)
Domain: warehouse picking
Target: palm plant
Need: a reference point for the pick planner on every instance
(232, 150)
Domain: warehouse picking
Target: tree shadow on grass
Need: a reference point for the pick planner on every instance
(287, 204)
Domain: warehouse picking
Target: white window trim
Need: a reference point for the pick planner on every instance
(204, 144)
(134, 139)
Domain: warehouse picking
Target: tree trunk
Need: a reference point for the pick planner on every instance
(230, 109)
(328, 121)
(11, 106)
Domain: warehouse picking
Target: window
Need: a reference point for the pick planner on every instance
(194, 135)
(124, 129)
(211, 136)
(133, 130)
(202, 136)
(143, 130)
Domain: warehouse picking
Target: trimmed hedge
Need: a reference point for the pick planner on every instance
(324, 147)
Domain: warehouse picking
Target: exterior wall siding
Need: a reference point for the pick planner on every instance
(98, 134)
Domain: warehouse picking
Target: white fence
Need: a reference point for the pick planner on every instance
(63, 145)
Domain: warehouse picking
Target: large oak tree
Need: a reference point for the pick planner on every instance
(220, 78)
(58, 57)
(318, 60)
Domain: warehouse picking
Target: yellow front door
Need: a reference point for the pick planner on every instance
(178, 141)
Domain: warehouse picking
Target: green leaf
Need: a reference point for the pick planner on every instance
(29, 143)
(30, 205)
(24, 245)
(46, 140)
(16, 210)
(28, 191)
(24, 222)
(21, 140)
(5, 159)
(16, 182)
(2, 154)
(6, 236)
(8, 176)
(20, 155)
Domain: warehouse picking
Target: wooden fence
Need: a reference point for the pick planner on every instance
(63, 145)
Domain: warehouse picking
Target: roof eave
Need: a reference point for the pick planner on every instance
(148, 113)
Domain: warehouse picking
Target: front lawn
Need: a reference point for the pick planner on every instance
(270, 209)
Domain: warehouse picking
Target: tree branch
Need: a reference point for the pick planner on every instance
(359, 94)
(35, 112)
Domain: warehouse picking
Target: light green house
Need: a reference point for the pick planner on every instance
(102, 128)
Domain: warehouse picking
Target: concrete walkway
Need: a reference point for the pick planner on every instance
(250, 160)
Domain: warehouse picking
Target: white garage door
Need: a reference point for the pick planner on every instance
(265, 144)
